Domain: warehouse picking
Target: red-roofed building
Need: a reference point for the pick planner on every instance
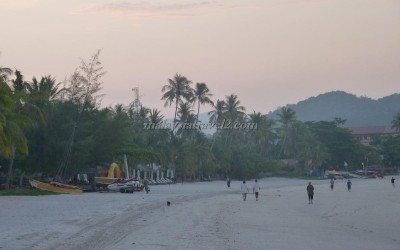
(365, 135)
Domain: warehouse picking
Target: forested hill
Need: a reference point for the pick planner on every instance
(357, 111)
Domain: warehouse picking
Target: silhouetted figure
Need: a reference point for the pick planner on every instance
(332, 184)
(310, 192)
(228, 182)
(349, 185)
(244, 190)
(392, 181)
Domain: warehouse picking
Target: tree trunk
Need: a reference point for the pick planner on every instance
(21, 179)
(176, 110)
(10, 167)
(198, 111)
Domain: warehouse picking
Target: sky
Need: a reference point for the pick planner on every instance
(268, 52)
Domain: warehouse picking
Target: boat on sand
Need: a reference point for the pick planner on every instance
(57, 187)
(126, 186)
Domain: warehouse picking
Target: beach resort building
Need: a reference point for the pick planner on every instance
(365, 135)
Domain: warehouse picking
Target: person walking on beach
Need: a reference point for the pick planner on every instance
(146, 186)
(228, 182)
(349, 185)
(244, 190)
(256, 189)
(332, 183)
(392, 181)
(310, 192)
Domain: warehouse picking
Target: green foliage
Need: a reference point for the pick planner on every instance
(391, 150)
(105, 134)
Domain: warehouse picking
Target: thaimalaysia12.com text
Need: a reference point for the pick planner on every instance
(224, 124)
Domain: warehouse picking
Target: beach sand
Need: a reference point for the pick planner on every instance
(209, 215)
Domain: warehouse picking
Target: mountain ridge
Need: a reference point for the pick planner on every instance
(357, 111)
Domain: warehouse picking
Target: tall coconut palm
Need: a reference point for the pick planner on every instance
(185, 112)
(232, 109)
(234, 112)
(44, 90)
(217, 113)
(155, 116)
(177, 88)
(24, 114)
(263, 134)
(396, 122)
(186, 117)
(201, 95)
(216, 116)
(287, 117)
(11, 124)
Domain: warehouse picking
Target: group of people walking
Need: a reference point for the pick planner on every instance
(310, 188)
(244, 189)
(348, 184)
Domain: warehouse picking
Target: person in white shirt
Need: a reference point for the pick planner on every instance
(256, 189)
(244, 190)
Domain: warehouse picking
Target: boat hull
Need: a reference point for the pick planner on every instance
(105, 180)
(48, 187)
(126, 186)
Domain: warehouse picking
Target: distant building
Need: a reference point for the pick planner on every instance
(365, 135)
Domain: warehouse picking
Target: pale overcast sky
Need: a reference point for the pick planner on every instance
(268, 52)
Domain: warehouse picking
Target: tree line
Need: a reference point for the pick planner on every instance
(59, 129)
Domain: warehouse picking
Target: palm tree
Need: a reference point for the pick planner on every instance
(187, 119)
(287, 119)
(143, 114)
(339, 121)
(22, 116)
(177, 88)
(396, 122)
(155, 116)
(11, 124)
(234, 112)
(44, 90)
(286, 116)
(263, 135)
(201, 96)
(232, 108)
(217, 113)
(185, 112)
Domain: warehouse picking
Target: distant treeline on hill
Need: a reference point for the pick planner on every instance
(357, 111)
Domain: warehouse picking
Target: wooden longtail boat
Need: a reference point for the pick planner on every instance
(57, 187)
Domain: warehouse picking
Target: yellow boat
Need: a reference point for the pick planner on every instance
(55, 187)
(113, 174)
(105, 180)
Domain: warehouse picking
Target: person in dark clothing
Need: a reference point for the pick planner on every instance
(228, 182)
(146, 186)
(392, 181)
(310, 192)
(332, 183)
(349, 185)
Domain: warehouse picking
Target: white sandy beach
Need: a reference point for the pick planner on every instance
(209, 216)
